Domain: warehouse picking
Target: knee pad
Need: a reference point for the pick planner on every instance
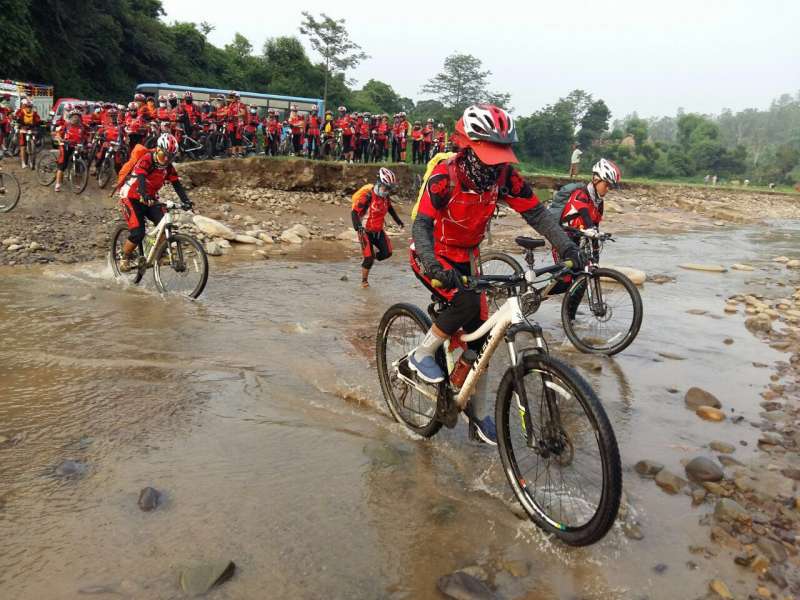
(368, 262)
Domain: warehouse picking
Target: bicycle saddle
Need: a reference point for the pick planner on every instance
(530, 243)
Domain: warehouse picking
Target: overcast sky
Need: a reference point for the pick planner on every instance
(638, 56)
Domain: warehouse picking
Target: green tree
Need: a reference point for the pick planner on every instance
(379, 96)
(330, 38)
(579, 103)
(637, 128)
(593, 123)
(463, 82)
(546, 136)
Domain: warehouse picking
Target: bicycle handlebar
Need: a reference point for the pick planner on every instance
(489, 281)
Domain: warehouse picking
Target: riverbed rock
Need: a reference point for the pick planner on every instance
(348, 235)
(635, 275)
(761, 323)
(774, 551)
(648, 468)
(742, 267)
(718, 587)
(462, 586)
(729, 461)
(730, 511)
(781, 259)
(722, 447)
(149, 499)
(290, 237)
(776, 576)
(198, 579)
(213, 228)
(709, 413)
(789, 473)
(246, 239)
(669, 482)
(300, 231)
(71, 468)
(696, 397)
(701, 469)
(793, 264)
(266, 238)
(700, 267)
(213, 249)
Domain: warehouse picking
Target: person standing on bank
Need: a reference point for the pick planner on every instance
(574, 162)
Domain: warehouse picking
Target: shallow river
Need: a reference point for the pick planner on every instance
(257, 411)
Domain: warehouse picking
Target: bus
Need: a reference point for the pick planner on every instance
(265, 101)
(40, 94)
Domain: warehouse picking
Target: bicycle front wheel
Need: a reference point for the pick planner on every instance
(46, 167)
(559, 452)
(118, 239)
(106, 171)
(499, 263)
(9, 192)
(80, 176)
(602, 312)
(410, 401)
(181, 266)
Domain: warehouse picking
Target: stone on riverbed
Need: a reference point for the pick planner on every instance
(266, 238)
(709, 413)
(149, 499)
(348, 235)
(635, 275)
(290, 237)
(696, 397)
(70, 468)
(723, 447)
(213, 249)
(669, 482)
(730, 510)
(462, 586)
(213, 228)
(793, 264)
(701, 469)
(759, 324)
(707, 268)
(648, 468)
(741, 267)
(246, 239)
(720, 589)
(198, 579)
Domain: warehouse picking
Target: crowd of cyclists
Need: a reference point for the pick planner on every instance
(221, 127)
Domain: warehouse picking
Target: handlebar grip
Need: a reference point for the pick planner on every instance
(568, 264)
(438, 284)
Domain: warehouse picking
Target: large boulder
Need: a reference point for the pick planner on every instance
(635, 275)
(213, 228)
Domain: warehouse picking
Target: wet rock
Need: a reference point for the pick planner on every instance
(669, 482)
(789, 473)
(198, 579)
(781, 259)
(344, 278)
(697, 312)
(3, 439)
(714, 488)
(660, 568)
(729, 461)
(246, 239)
(632, 530)
(731, 308)
(742, 267)
(793, 264)
(773, 550)
(769, 438)
(671, 356)
(517, 568)
(707, 268)
(701, 469)
(718, 587)
(149, 499)
(213, 249)
(775, 575)
(759, 323)
(290, 237)
(729, 511)
(266, 238)
(348, 235)
(648, 468)
(727, 341)
(300, 231)
(475, 571)
(710, 413)
(660, 279)
(758, 563)
(698, 496)
(635, 275)
(696, 397)
(462, 586)
(70, 468)
(722, 447)
(213, 228)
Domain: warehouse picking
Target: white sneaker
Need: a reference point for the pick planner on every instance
(24, 166)
(58, 187)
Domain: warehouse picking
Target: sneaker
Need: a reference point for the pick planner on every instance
(58, 187)
(24, 166)
(125, 265)
(364, 283)
(483, 430)
(426, 369)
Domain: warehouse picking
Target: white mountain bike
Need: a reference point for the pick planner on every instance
(179, 261)
(557, 446)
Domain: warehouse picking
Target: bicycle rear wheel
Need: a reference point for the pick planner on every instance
(499, 263)
(118, 239)
(9, 192)
(181, 266)
(401, 330)
(80, 175)
(602, 312)
(569, 477)
(46, 167)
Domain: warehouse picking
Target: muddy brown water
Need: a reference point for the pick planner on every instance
(256, 410)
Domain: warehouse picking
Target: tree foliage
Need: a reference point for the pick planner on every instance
(463, 82)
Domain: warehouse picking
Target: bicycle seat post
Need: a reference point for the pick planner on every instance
(530, 259)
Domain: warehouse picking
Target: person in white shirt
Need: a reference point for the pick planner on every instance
(573, 163)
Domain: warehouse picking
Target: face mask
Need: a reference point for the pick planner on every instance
(483, 177)
(173, 103)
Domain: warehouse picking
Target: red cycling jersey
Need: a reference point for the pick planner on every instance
(155, 177)
(416, 134)
(73, 134)
(460, 216)
(427, 134)
(345, 123)
(312, 125)
(27, 118)
(363, 130)
(297, 123)
(366, 202)
(383, 132)
(580, 211)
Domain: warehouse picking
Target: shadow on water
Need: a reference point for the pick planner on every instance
(257, 411)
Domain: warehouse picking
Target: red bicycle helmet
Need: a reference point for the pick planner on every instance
(489, 131)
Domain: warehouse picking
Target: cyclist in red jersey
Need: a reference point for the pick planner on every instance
(371, 203)
(364, 129)
(139, 195)
(345, 123)
(298, 125)
(440, 138)
(28, 119)
(72, 134)
(274, 130)
(313, 126)
(162, 112)
(382, 137)
(457, 202)
(427, 140)
(5, 119)
(416, 143)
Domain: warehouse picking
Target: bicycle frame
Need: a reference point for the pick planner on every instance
(164, 227)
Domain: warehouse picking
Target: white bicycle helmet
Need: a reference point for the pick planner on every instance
(387, 177)
(488, 123)
(607, 171)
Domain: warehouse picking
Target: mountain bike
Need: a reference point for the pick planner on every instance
(31, 146)
(191, 148)
(601, 309)
(556, 444)
(115, 156)
(76, 171)
(285, 147)
(178, 260)
(9, 190)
